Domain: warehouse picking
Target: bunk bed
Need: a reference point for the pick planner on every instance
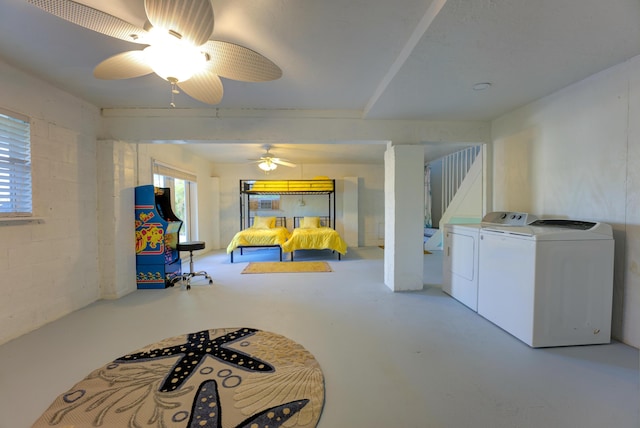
(262, 232)
(252, 189)
(314, 233)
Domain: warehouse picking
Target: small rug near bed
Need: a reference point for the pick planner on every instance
(287, 267)
(230, 377)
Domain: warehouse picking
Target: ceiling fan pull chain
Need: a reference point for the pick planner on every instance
(174, 91)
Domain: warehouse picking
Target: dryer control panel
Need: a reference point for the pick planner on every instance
(508, 218)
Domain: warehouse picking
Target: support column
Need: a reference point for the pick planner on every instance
(404, 211)
(350, 211)
(116, 217)
(215, 213)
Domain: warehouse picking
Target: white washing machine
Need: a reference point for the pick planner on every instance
(549, 283)
(460, 258)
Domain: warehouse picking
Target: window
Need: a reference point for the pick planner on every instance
(264, 203)
(183, 195)
(15, 165)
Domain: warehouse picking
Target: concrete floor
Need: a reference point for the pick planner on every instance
(414, 359)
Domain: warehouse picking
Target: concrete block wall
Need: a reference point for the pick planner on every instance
(49, 268)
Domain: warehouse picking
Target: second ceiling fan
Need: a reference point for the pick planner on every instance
(268, 162)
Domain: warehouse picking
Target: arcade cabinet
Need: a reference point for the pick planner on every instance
(157, 227)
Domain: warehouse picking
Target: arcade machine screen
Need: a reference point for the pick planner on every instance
(163, 205)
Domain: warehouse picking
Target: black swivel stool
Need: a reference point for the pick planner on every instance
(192, 246)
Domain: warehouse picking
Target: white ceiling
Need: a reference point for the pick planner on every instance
(406, 59)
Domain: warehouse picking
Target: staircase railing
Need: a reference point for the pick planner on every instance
(454, 169)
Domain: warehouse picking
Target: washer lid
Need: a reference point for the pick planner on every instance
(567, 224)
(558, 230)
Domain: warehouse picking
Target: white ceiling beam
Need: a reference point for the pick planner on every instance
(432, 11)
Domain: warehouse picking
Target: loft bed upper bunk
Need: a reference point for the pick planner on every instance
(318, 186)
(257, 188)
(254, 189)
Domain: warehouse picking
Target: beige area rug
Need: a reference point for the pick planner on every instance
(287, 267)
(222, 378)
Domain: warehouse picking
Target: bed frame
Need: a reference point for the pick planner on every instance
(325, 221)
(280, 221)
(250, 188)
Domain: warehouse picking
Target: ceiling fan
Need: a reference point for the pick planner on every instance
(178, 47)
(267, 162)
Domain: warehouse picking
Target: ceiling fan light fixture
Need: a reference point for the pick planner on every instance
(267, 165)
(177, 61)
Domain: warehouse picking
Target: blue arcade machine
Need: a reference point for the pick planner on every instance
(157, 258)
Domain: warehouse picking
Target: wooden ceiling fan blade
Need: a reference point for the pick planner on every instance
(204, 86)
(191, 19)
(93, 19)
(125, 65)
(239, 63)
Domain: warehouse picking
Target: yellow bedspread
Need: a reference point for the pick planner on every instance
(321, 238)
(259, 237)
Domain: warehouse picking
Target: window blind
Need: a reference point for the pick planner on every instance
(15, 165)
(164, 169)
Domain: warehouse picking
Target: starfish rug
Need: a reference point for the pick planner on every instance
(221, 378)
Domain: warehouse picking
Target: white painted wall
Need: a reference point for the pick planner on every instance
(576, 154)
(50, 268)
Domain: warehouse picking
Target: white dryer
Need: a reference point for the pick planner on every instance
(460, 263)
(549, 283)
(461, 248)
